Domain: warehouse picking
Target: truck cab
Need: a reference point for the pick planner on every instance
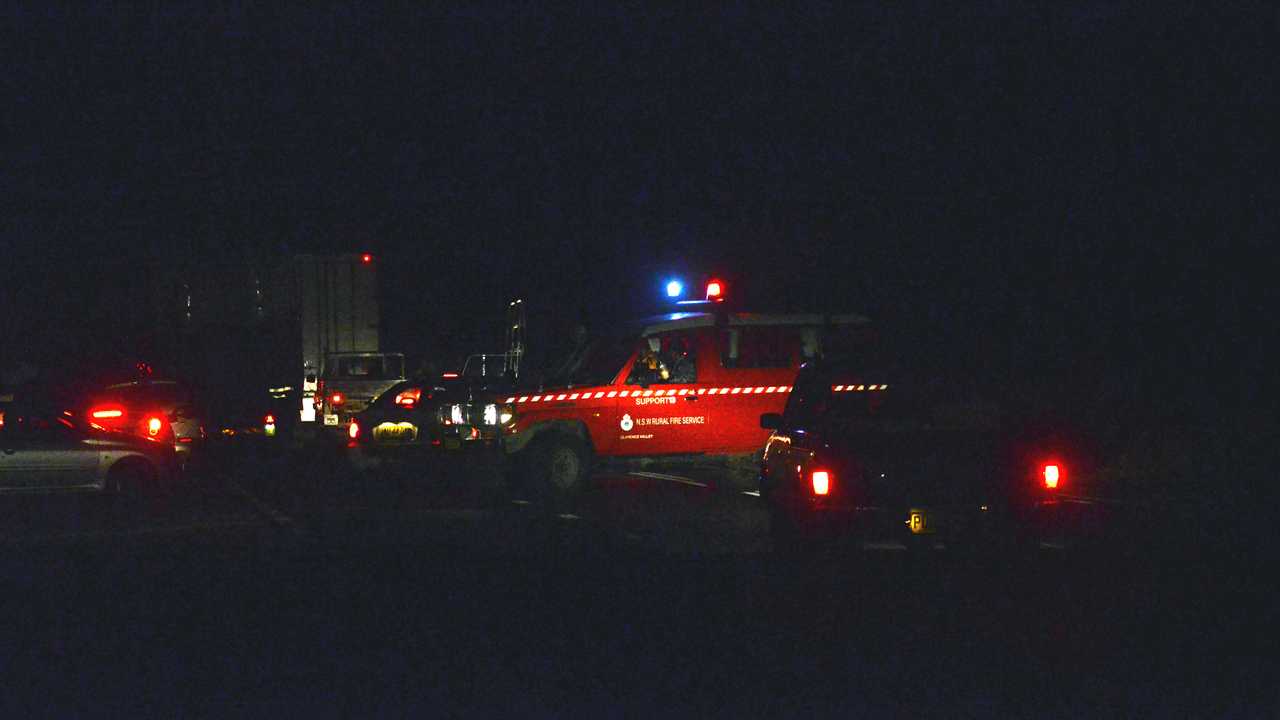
(680, 384)
(348, 382)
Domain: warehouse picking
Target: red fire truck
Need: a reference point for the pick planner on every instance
(688, 383)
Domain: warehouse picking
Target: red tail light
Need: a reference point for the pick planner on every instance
(269, 420)
(1053, 475)
(821, 480)
(353, 430)
(154, 424)
(449, 375)
(337, 399)
(409, 397)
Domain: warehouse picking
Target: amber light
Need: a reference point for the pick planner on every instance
(821, 482)
(1052, 474)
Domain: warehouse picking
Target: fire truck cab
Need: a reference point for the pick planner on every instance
(691, 383)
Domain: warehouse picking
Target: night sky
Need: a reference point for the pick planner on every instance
(1081, 186)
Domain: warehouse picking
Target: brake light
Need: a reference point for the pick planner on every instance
(449, 375)
(1053, 475)
(337, 399)
(107, 413)
(409, 397)
(821, 480)
(353, 430)
(154, 424)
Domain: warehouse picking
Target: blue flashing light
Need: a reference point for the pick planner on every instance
(674, 289)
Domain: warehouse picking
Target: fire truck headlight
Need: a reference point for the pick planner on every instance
(506, 414)
(491, 414)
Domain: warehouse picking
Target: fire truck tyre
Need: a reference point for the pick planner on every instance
(561, 465)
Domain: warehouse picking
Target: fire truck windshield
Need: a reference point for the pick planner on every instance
(596, 363)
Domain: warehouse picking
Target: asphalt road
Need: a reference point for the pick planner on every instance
(288, 585)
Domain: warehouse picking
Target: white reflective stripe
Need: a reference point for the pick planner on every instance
(535, 398)
(561, 396)
(771, 388)
(614, 393)
(736, 391)
(838, 388)
(702, 391)
(600, 394)
(647, 393)
(524, 398)
(573, 396)
(510, 400)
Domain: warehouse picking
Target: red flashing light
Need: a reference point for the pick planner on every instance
(353, 430)
(1052, 474)
(154, 424)
(269, 420)
(715, 290)
(366, 258)
(821, 480)
(337, 399)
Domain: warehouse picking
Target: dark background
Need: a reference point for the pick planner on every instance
(1080, 194)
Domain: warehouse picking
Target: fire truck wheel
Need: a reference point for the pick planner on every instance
(561, 465)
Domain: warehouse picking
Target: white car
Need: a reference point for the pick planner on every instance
(45, 452)
(170, 398)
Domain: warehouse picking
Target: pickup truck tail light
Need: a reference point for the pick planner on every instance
(1053, 475)
(821, 482)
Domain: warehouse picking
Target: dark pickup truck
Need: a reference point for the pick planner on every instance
(867, 452)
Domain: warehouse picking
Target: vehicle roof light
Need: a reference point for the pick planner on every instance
(674, 289)
(715, 290)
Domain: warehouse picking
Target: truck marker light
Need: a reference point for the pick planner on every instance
(821, 482)
(1052, 474)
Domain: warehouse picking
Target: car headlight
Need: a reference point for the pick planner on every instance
(455, 414)
(490, 414)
